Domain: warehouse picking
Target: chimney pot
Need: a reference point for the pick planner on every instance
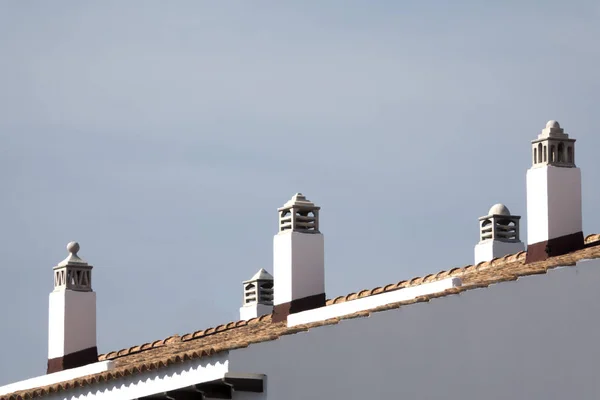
(554, 214)
(258, 295)
(72, 314)
(498, 234)
(298, 259)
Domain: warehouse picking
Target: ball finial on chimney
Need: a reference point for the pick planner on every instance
(73, 247)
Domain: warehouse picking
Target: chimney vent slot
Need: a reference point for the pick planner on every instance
(73, 273)
(499, 225)
(299, 215)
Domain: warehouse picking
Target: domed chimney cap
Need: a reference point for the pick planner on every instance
(499, 209)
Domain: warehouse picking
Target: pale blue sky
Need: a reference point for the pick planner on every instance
(164, 135)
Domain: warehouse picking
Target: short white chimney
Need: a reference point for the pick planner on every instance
(72, 315)
(258, 296)
(298, 259)
(554, 220)
(498, 234)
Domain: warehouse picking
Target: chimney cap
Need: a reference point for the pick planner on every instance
(499, 209)
(261, 275)
(553, 131)
(299, 201)
(72, 258)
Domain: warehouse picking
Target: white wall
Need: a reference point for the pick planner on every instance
(370, 302)
(536, 338)
(157, 381)
(56, 377)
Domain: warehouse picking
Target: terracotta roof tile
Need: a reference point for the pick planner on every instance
(377, 290)
(592, 238)
(233, 335)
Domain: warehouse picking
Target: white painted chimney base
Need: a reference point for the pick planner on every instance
(490, 249)
(553, 203)
(254, 310)
(72, 322)
(298, 265)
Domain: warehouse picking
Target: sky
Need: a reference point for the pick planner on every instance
(163, 136)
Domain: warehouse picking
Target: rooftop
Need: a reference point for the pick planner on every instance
(240, 334)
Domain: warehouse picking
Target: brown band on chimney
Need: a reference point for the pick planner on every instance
(281, 311)
(73, 360)
(554, 247)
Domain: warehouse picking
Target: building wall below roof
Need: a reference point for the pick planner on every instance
(62, 376)
(370, 302)
(534, 338)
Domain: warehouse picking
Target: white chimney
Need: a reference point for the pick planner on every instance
(298, 259)
(554, 221)
(498, 234)
(72, 315)
(258, 296)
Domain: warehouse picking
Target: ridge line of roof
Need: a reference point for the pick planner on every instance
(473, 278)
(457, 271)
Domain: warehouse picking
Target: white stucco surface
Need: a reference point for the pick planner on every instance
(370, 302)
(254, 310)
(57, 377)
(298, 265)
(490, 249)
(157, 381)
(534, 338)
(71, 322)
(553, 203)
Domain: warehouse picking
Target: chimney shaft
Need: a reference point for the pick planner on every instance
(298, 259)
(72, 315)
(554, 217)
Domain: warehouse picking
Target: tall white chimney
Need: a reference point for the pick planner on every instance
(258, 296)
(72, 315)
(298, 259)
(554, 220)
(498, 234)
